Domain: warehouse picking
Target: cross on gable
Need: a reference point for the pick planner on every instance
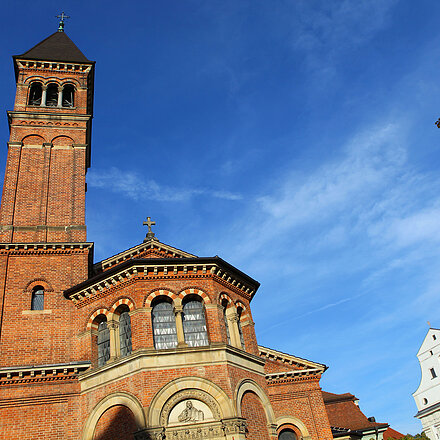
(62, 17)
(150, 233)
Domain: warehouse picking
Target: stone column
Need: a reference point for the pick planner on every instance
(114, 339)
(43, 96)
(60, 96)
(178, 311)
(234, 335)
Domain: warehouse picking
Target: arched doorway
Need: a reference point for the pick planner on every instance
(116, 423)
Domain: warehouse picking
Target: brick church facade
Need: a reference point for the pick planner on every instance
(152, 343)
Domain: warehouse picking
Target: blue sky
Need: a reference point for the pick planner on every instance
(295, 139)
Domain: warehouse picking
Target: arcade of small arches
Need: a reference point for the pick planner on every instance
(176, 321)
(192, 407)
(52, 94)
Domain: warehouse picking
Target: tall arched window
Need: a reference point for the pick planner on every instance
(37, 302)
(287, 434)
(52, 95)
(35, 93)
(68, 96)
(194, 323)
(226, 320)
(164, 325)
(125, 333)
(240, 330)
(103, 343)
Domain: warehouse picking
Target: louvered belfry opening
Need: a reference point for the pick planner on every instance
(194, 323)
(164, 325)
(35, 93)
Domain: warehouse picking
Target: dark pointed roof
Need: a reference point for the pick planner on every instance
(56, 47)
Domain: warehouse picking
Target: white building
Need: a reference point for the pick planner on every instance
(427, 395)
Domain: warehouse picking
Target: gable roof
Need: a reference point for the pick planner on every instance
(344, 413)
(56, 47)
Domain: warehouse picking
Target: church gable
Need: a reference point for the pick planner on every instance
(281, 364)
(149, 249)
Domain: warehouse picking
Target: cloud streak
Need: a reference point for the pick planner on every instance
(134, 186)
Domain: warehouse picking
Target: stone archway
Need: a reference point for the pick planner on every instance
(119, 405)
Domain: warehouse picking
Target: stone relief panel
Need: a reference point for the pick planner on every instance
(190, 411)
(189, 406)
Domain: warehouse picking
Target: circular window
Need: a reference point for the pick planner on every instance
(425, 401)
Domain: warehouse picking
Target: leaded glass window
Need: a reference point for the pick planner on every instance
(194, 324)
(103, 343)
(37, 302)
(287, 434)
(164, 326)
(35, 94)
(125, 333)
(226, 323)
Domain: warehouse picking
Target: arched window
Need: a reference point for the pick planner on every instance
(103, 343)
(240, 330)
(164, 326)
(226, 320)
(287, 434)
(194, 323)
(52, 95)
(125, 333)
(35, 93)
(68, 96)
(37, 302)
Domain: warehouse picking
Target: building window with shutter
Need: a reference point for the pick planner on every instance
(37, 302)
(125, 333)
(194, 323)
(164, 325)
(103, 343)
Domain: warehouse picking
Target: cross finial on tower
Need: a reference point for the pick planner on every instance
(62, 17)
(150, 233)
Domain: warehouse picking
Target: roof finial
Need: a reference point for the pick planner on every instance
(150, 233)
(62, 17)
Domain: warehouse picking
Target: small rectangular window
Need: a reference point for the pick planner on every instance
(433, 374)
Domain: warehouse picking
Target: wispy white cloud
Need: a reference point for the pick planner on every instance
(136, 187)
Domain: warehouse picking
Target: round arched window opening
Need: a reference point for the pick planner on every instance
(35, 93)
(37, 302)
(164, 324)
(68, 98)
(52, 95)
(425, 401)
(194, 322)
(287, 434)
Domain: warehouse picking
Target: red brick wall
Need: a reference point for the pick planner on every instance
(117, 423)
(252, 410)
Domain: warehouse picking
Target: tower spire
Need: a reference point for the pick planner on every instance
(62, 17)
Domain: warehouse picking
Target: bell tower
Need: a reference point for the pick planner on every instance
(49, 146)
(43, 248)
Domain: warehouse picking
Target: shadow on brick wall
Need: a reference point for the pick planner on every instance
(117, 423)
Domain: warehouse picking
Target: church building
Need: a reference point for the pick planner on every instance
(151, 343)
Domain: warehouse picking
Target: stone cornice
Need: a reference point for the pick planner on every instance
(41, 373)
(164, 268)
(34, 115)
(294, 375)
(42, 65)
(38, 247)
(288, 359)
